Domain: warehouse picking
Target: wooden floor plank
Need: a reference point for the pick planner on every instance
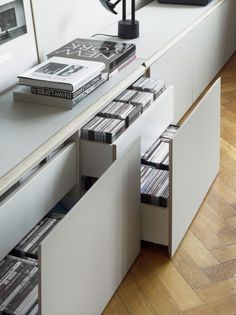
(225, 253)
(154, 290)
(133, 297)
(217, 291)
(231, 221)
(226, 306)
(229, 237)
(219, 204)
(176, 285)
(198, 252)
(212, 219)
(205, 234)
(222, 271)
(190, 271)
(116, 307)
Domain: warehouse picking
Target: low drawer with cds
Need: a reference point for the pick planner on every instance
(179, 169)
(32, 274)
(137, 112)
(155, 190)
(35, 194)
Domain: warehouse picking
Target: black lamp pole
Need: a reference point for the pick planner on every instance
(128, 28)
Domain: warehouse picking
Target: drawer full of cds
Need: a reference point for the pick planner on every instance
(155, 170)
(143, 110)
(155, 188)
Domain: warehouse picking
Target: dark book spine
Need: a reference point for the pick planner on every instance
(122, 58)
(63, 93)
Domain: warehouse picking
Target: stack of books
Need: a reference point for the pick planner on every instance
(60, 82)
(114, 55)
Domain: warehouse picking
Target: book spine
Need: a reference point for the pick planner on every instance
(63, 93)
(121, 58)
(122, 66)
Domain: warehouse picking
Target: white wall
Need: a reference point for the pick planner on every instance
(60, 21)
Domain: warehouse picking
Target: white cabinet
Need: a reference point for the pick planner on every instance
(194, 164)
(84, 259)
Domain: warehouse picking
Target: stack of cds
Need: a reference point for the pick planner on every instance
(170, 132)
(126, 96)
(154, 86)
(103, 129)
(158, 154)
(154, 186)
(136, 98)
(155, 172)
(18, 286)
(120, 110)
(28, 246)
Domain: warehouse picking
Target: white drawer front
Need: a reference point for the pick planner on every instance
(175, 68)
(88, 253)
(195, 162)
(27, 205)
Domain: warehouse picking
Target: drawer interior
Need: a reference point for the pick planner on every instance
(155, 189)
(33, 198)
(193, 164)
(152, 122)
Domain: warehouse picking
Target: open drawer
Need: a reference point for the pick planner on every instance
(194, 164)
(25, 206)
(149, 125)
(85, 257)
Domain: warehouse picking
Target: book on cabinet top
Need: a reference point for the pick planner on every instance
(24, 94)
(62, 73)
(67, 94)
(113, 54)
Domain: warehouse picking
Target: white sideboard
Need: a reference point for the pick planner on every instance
(101, 233)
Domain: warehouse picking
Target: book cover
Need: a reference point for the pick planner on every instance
(113, 54)
(62, 73)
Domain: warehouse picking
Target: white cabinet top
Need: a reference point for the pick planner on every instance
(29, 131)
(162, 25)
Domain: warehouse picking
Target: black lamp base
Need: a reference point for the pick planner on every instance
(128, 29)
